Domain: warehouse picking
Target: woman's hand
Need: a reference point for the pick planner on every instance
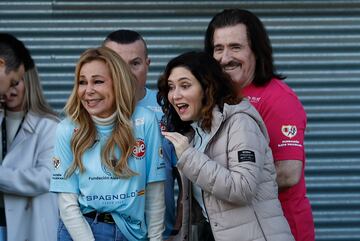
(180, 142)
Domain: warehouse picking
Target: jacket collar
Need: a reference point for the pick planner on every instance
(221, 116)
(27, 128)
(243, 107)
(30, 122)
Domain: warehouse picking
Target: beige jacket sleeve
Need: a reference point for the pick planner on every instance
(229, 178)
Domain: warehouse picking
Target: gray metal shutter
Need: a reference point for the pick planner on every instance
(316, 44)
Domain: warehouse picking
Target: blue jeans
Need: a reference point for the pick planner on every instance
(101, 231)
(2, 233)
(170, 207)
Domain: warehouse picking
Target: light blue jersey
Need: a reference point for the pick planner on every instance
(98, 188)
(149, 101)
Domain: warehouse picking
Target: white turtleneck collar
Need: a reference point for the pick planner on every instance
(13, 123)
(15, 114)
(104, 121)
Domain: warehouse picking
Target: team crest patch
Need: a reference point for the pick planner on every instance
(289, 130)
(139, 149)
(56, 162)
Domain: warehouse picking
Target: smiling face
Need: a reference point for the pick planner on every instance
(134, 54)
(95, 89)
(14, 97)
(232, 50)
(185, 94)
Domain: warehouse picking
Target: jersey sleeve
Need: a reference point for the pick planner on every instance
(62, 160)
(155, 164)
(286, 122)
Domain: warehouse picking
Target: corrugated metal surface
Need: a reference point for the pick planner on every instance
(316, 44)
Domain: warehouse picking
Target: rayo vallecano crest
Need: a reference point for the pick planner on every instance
(56, 162)
(289, 130)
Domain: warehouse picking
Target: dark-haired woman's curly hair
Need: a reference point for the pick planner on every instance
(216, 84)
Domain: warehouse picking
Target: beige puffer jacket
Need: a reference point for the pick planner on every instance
(237, 176)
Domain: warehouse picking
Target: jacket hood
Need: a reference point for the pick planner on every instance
(243, 107)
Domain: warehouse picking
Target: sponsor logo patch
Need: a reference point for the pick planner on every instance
(56, 162)
(161, 152)
(162, 126)
(139, 122)
(139, 149)
(105, 170)
(246, 156)
(254, 99)
(289, 130)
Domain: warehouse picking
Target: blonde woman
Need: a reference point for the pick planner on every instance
(28, 210)
(107, 163)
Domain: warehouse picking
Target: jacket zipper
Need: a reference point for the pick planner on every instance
(202, 192)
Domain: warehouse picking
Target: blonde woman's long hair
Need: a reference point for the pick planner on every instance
(34, 99)
(124, 86)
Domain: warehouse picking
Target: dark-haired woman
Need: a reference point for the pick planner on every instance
(229, 189)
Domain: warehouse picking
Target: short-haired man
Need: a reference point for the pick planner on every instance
(238, 40)
(14, 61)
(132, 48)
